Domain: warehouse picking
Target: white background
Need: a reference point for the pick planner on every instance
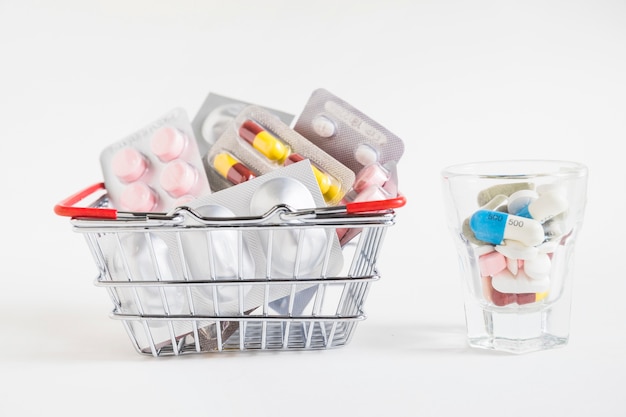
(457, 81)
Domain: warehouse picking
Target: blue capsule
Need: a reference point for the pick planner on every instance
(495, 226)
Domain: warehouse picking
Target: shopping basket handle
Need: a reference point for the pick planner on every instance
(377, 205)
(66, 207)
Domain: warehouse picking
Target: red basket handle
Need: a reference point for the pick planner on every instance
(377, 205)
(67, 206)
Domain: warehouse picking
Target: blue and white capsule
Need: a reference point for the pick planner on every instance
(496, 226)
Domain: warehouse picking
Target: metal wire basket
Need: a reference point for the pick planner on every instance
(166, 309)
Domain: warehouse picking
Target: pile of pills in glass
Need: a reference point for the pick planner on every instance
(515, 232)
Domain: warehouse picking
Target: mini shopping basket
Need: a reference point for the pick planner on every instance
(167, 312)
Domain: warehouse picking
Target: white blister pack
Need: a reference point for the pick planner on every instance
(281, 254)
(258, 142)
(346, 133)
(157, 168)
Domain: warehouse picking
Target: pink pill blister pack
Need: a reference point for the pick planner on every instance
(157, 168)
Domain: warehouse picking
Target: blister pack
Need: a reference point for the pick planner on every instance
(288, 253)
(344, 132)
(257, 142)
(157, 168)
(374, 182)
(215, 115)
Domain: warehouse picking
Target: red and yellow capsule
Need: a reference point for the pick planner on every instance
(231, 169)
(263, 141)
(328, 187)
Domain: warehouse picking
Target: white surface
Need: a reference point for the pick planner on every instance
(458, 81)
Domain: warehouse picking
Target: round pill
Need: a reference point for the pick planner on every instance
(168, 143)
(365, 154)
(323, 126)
(128, 164)
(139, 197)
(178, 178)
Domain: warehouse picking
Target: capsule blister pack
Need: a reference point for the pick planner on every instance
(215, 115)
(157, 168)
(258, 142)
(346, 133)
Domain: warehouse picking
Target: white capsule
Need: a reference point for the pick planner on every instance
(494, 227)
(545, 207)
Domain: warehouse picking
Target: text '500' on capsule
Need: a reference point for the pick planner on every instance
(495, 226)
(263, 141)
(231, 169)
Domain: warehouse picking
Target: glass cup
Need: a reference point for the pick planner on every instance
(515, 224)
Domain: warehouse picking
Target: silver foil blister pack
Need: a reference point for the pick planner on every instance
(346, 133)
